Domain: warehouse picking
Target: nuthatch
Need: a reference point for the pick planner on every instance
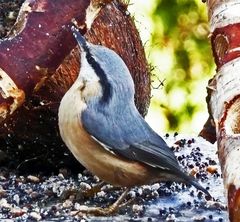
(102, 127)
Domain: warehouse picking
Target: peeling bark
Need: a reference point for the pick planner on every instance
(224, 94)
(39, 58)
(34, 48)
(209, 129)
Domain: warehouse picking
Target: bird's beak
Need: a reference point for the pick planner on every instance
(80, 39)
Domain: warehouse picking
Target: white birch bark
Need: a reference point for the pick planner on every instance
(224, 18)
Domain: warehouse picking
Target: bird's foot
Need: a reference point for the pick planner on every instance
(98, 211)
(82, 194)
(91, 192)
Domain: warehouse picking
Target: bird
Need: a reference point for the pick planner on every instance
(101, 126)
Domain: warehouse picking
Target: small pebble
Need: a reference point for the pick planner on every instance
(96, 179)
(155, 194)
(155, 186)
(171, 218)
(17, 212)
(200, 194)
(101, 194)
(67, 204)
(34, 195)
(199, 219)
(11, 15)
(33, 179)
(60, 175)
(80, 176)
(137, 208)
(4, 203)
(16, 199)
(2, 178)
(35, 216)
(77, 206)
(140, 191)
(215, 205)
(84, 186)
(212, 169)
(2, 192)
(132, 194)
(194, 171)
(162, 212)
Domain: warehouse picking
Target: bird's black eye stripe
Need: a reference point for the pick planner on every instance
(106, 86)
(107, 89)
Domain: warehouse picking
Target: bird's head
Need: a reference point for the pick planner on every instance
(104, 71)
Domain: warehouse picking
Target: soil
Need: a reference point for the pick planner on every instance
(52, 198)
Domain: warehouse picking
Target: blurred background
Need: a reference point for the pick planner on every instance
(175, 36)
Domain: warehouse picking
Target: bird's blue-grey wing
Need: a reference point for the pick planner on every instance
(126, 133)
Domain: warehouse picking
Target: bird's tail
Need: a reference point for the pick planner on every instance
(192, 181)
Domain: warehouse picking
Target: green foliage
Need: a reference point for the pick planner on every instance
(181, 54)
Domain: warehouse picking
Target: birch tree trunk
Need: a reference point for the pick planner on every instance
(224, 95)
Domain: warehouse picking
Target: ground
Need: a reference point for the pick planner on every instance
(40, 197)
